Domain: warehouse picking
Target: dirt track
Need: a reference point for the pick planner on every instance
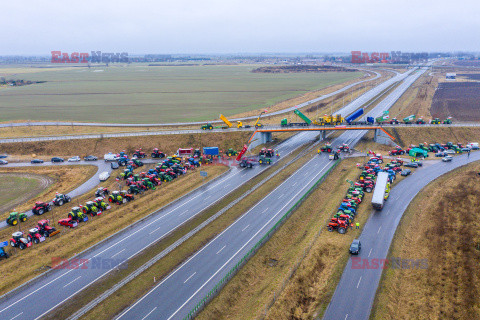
(44, 183)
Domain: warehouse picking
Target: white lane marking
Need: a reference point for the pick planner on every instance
(281, 195)
(117, 253)
(207, 198)
(17, 315)
(370, 253)
(221, 249)
(181, 214)
(346, 316)
(226, 186)
(236, 253)
(190, 277)
(265, 210)
(72, 281)
(359, 281)
(379, 229)
(293, 185)
(245, 228)
(149, 313)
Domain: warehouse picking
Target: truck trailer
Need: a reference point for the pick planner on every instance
(381, 191)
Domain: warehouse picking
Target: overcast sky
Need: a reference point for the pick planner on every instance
(234, 26)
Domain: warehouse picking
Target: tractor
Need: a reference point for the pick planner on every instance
(397, 151)
(139, 154)
(366, 185)
(122, 161)
(339, 225)
(246, 163)
(116, 197)
(264, 160)
(69, 222)
(448, 120)
(394, 121)
(147, 183)
(102, 192)
(60, 199)
(125, 195)
(35, 236)
(327, 148)
(14, 217)
(91, 209)
(194, 162)
(18, 241)
(3, 253)
(45, 229)
(420, 121)
(157, 154)
(231, 152)
(134, 189)
(266, 152)
(435, 121)
(207, 126)
(344, 147)
(77, 215)
(41, 207)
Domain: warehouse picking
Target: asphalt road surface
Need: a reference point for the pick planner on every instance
(355, 293)
(180, 291)
(30, 302)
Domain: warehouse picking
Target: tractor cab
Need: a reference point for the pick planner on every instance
(17, 235)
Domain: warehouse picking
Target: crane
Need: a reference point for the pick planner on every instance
(257, 123)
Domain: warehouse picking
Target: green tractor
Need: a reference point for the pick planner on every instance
(435, 121)
(77, 215)
(15, 217)
(327, 148)
(231, 152)
(207, 126)
(264, 160)
(147, 183)
(91, 208)
(448, 120)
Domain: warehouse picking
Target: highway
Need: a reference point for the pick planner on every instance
(30, 301)
(180, 291)
(355, 293)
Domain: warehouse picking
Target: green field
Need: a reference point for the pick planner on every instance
(138, 93)
(14, 188)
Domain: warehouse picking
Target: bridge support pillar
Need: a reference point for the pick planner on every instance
(322, 135)
(261, 138)
(382, 138)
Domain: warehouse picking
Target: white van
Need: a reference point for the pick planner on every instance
(110, 157)
(473, 145)
(104, 176)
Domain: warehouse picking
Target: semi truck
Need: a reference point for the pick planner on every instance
(354, 116)
(285, 123)
(409, 119)
(381, 191)
(210, 151)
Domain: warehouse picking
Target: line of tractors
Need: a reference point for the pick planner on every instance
(346, 212)
(166, 170)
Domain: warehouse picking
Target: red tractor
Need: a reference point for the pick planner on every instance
(45, 229)
(366, 185)
(336, 224)
(18, 241)
(35, 236)
(139, 154)
(247, 163)
(327, 148)
(394, 121)
(157, 154)
(267, 152)
(397, 151)
(41, 207)
(344, 148)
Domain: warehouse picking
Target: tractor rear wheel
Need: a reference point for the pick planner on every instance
(14, 222)
(21, 246)
(40, 211)
(60, 203)
(342, 230)
(35, 240)
(368, 189)
(330, 229)
(23, 219)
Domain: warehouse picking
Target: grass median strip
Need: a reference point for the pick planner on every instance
(142, 283)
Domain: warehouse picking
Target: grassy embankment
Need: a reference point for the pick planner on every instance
(442, 226)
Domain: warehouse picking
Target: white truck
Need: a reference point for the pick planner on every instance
(381, 191)
(110, 157)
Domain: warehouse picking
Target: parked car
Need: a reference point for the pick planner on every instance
(104, 176)
(90, 158)
(3, 161)
(411, 164)
(447, 159)
(74, 159)
(466, 149)
(441, 154)
(355, 247)
(450, 151)
(406, 172)
(36, 161)
(57, 159)
(110, 157)
(473, 145)
(114, 165)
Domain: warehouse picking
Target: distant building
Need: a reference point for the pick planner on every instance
(451, 76)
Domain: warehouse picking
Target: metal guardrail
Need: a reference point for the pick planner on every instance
(213, 292)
